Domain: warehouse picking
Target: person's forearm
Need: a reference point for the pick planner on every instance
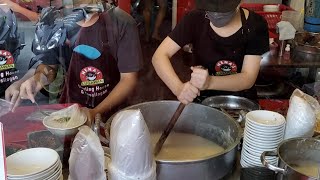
(118, 95)
(32, 16)
(236, 82)
(46, 73)
(166, 72)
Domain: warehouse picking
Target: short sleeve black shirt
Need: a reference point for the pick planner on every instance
(222, 55)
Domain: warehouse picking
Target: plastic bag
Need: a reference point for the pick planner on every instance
(87, 161)
(301, 116)
(5, 107)
(77, 118)
(130, 147)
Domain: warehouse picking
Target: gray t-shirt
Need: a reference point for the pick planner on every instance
(123, 40)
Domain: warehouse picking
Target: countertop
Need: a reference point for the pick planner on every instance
(17, 129)
(277, 61)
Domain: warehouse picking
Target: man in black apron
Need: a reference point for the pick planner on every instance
(227, 42)
(102, 70)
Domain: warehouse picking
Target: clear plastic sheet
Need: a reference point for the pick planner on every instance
(301, 116)
(87, 161)
(131, 149)
(5, 107)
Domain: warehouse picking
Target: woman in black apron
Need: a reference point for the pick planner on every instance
(227, 42)
(90, 79)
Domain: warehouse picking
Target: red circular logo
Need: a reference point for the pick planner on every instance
(224, 67)
(6, 57)
(91, 74)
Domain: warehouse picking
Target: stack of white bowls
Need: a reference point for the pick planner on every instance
(264, 131)
(34, 164)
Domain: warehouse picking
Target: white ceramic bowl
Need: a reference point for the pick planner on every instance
(263, 137)
(250, 163)
(258, 149)
(265, 130)
(31, 161)
(244, 164)
(39, 176)
(56, 174)
(257, 161)
(248, 148)
(260, 143)
(271, 8)
(265, 118)
(268, 136)
(256, 157)
(61, 177)
(62, 132)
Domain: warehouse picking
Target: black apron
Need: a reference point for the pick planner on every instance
(89, 81)
(225, 67)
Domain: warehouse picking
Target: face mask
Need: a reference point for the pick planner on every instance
(220, 19)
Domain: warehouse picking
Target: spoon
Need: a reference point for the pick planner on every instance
(42, 112)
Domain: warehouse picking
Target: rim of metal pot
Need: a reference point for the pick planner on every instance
(294, 139)
(231, 147)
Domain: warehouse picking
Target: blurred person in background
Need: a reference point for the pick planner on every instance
(32, 16)
(228, 43)
(101, 63)
(147, 13)
(12, 92)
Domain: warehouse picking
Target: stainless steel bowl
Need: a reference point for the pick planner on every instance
(305, 51)
(293, 153)
(234, 106)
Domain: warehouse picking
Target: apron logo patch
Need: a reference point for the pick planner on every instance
(91, 76)
(6, 60)
(224, 67)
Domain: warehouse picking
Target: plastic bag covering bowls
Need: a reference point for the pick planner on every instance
(86, 160)
(301, 116)
(131, 149)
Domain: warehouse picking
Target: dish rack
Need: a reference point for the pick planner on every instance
(272, 18)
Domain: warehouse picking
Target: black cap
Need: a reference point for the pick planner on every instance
(217, 5)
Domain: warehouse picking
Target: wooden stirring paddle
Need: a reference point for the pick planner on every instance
(168, 129)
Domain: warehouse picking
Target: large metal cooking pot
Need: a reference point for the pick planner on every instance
(200, 120)
(292, 153)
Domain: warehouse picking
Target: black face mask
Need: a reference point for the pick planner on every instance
(220, 19)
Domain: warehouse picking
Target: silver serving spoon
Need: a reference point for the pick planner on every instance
(42, 112)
